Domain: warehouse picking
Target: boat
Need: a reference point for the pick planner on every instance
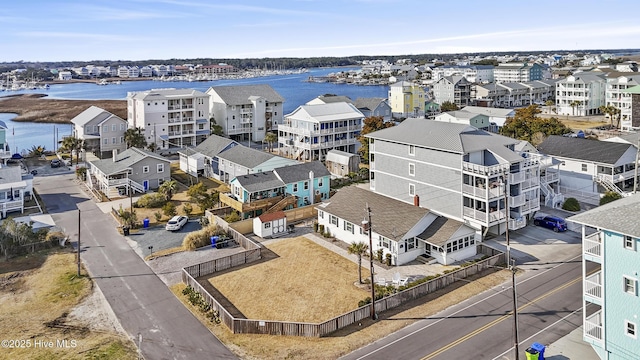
(102, 82)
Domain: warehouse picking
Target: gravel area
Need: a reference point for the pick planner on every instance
(160, 238)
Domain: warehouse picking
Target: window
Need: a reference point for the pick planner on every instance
(113, 140)
(629, 285)
(410, 244)
(105, 141)
(372, 157)
(160, 168)
(121, 139)
(321, 214)
(295, 187)
(629, 243)
(412, 189)
(114, 127)
(122, 127)
(105, 128)
(333, 220)
(412, 150)
(384, 242)
(145, 169)
(348, 227)
(320, 182)
(412, 169)
(306, 185)
(630, 329)
(584, 167)
(267, 225)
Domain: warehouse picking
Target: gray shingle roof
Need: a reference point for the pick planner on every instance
(10, 174)
(239, 95)
(440, 231)
(603, 152)
(213, 145)
(260, 181)
(245, 156)
(294, 173)
(334, 98)
(458, 138)
(391, 218)
(89, 114)
(618, 216)
(368, 103)
(124, 160)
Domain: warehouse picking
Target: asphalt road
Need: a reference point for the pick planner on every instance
(152, 316)
(549, 306)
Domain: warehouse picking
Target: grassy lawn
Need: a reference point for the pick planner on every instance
(267, 347)
(306, 283)
(582, 125)
(36, 294)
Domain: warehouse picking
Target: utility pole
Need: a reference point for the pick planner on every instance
(515, 310)
(506, 209)
(366, 224)
(635, 168)
(78, 242)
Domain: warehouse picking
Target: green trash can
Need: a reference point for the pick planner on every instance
(532, 354)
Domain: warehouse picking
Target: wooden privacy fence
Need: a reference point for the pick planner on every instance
(271, 327)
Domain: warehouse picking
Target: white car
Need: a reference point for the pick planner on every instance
(176, 223)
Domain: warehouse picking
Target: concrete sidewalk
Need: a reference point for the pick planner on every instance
(571, 347)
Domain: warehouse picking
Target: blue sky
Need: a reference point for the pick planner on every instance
(58, 30)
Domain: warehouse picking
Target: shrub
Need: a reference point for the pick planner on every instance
(315, 226)
(387, 259)
(158, 215)
(152, 200)
(380, 254)
(364, 302)
(609, 196)
(169, 209)
(233, 217)
(321, 228)
(54, 237)
(571, 204)
(200, 238)
(187, 209)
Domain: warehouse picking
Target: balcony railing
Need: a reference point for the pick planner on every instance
(518, 200)
(237, 205)
(483, 216)
(530, 182)
(516, 178)
(593, 285)
(246, 111)
(481, 192)
(485, 170)
(549, 177)
(115, 182)
(593, 326)
(530, 205)
(593, 244)
(515, 224)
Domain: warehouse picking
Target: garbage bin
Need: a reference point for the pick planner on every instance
(531, 354)
(125, 231)
(145, 222)
(539, 348)
(214, 239)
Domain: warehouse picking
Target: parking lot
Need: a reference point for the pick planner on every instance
(160, 238)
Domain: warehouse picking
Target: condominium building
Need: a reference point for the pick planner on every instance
(610, 258)
(517, 72)
(617, 96)
(170, 118)
(406, 99)
(458, 171)
(246, 112)
(508, 94)
(474, 73)
(310, 131)
(580, 94)
(454, 89)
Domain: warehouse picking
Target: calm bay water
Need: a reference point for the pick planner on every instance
(295, 90)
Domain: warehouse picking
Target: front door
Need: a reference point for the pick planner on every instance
(145, 184)
(427, 249)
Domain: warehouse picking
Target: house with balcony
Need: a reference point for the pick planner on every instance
(580, 94)
(14, 187)
(617, 95)
(405, 231)
(455, 89)
(374, 107)
(101, 131)
(246, 112)
(589, 168)
(132, 171)
(610, 258)
(5, 150)
(458, 171)
(474, 73)
(406, 99)
(241, 160)
(279, 189)
(310, 131)
(517, 72)
(203, 159)
(170, 118)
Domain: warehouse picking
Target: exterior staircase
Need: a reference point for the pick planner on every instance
(424, 259)
(136, 187)
(607, 184)
(286, 201)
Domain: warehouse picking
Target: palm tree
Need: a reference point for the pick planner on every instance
(358, 249)
(133, 138)
(573, 105)
(152, 147)
(613, 113)
(71, 143)
(168, 189)
(270, 138)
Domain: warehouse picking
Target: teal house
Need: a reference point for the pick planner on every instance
(611, 269)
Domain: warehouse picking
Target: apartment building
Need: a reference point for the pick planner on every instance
(480, 74)
(170, 118)
(406, 99)
(455, 89)
(616, 95)
(310, 131)
(246, 112)
(580, 94)
(128, 72)
(458, 171)
(611, 245)
(508, 94)
(101, 131)
(517, 72)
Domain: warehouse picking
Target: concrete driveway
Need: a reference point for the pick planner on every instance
(160, 238)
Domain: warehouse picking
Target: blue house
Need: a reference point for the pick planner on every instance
(611, 302)
(279, 189)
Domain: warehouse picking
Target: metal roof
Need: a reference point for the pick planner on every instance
(326, 112)
(239, 95)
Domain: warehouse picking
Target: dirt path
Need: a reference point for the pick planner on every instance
(38, 108)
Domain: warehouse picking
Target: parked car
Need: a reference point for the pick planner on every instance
(56, 163)
(176, 223)
(551, 222)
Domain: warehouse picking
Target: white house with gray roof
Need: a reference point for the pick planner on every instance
(497, 116)
(479, 121)
(241, 160)
(14, 187)
(457, 171)
(246, 112)
(580, 94)
(133, 170)
(404, 231)
(203, 159)
(101, 131)
(170, 118)
(310, 131)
